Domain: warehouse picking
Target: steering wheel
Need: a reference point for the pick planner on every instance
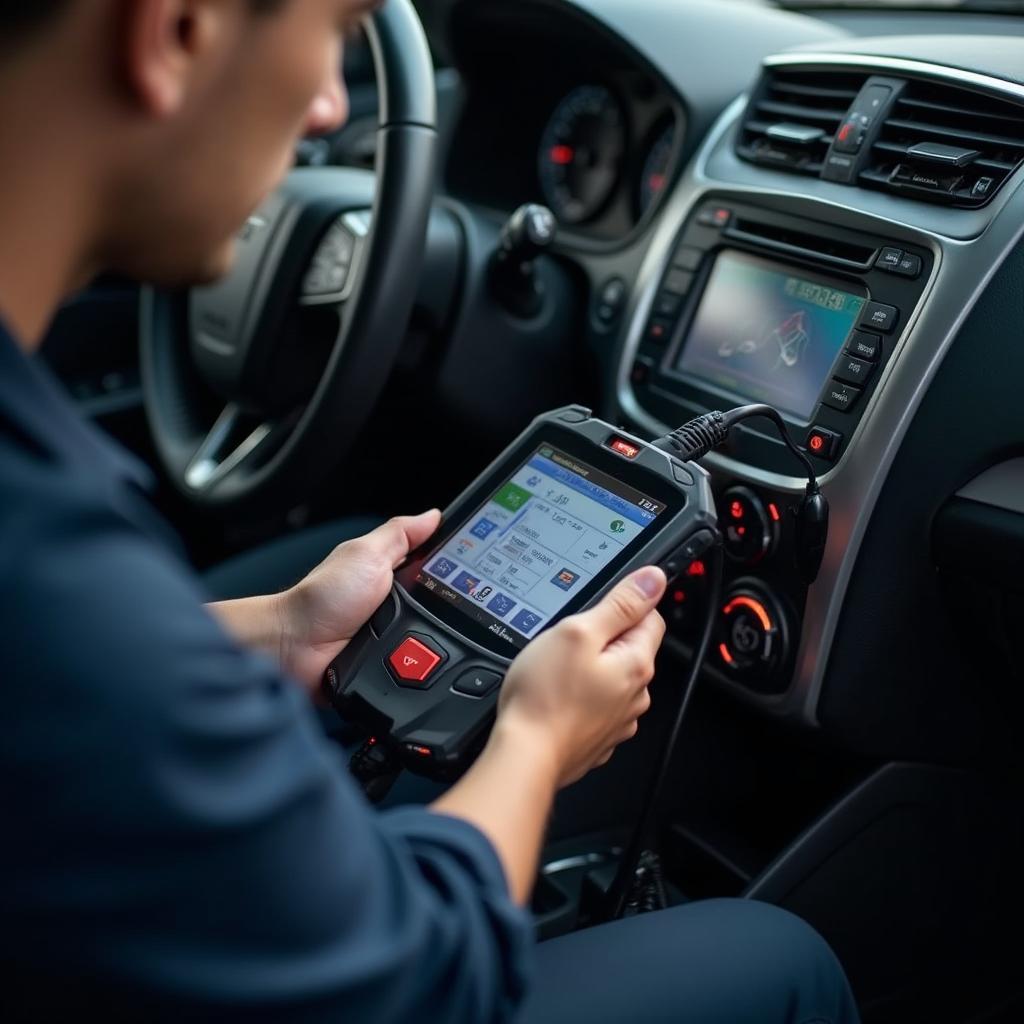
(256, 387)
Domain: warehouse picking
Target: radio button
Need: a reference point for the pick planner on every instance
(864, 346)
(853, 370)
(889, 258)
(678, 281)
(879, 317)
(822, 443)
(658, 331)
(667, 304)
(841, 396)
(909, 266)
(687, 257)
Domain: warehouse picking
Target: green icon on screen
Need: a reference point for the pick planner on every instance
(618, 526)
(512, 497)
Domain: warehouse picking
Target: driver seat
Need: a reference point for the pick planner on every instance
(277, 565)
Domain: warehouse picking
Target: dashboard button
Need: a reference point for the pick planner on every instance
(850, 136)
(841, 396)
(822, 443)
(476, 682)
(864, 346)
(880, 317)
(715, 216)
(412, 662)
(853, 370)
(667, 305)
(658, 331)
(909, 266)
(687, 257)
(678, 281)
(889, 258)
(748, 532)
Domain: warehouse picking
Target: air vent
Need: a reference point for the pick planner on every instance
(793, 116)
(946, 144)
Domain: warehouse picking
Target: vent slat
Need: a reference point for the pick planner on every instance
(924, 111)
(957, 117)
(899, 149)
(802, 89)
(799, 112)
(948, 108)
(796, 99)
(960, 134)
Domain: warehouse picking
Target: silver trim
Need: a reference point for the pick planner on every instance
(963, 269)
(209, 464)
(899, 64)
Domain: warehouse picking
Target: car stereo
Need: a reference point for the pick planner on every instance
(759, 305)
(569, 509)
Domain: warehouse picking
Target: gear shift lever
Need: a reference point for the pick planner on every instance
(529, 232)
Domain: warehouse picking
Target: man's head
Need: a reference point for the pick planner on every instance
(179, 115)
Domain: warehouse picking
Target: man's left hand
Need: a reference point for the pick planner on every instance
(308, 626)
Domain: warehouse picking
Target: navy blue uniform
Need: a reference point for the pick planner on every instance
(181, 841)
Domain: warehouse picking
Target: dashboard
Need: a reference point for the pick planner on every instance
(567, 118)
(804, 223)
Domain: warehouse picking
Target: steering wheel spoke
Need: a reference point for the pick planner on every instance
(229, 443)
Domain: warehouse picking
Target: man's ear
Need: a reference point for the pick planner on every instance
(164, 43)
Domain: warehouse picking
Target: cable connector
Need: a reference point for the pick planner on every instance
(698, 438)
(694, 440)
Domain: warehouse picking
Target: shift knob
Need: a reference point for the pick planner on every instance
(530, 231)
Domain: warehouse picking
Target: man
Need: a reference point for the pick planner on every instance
(179, 838)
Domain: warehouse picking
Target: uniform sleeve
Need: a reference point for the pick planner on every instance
(180, 827)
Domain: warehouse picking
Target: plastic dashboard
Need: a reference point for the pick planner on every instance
(966, 247)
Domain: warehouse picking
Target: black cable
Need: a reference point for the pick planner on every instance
(693, 440)
(618, 892)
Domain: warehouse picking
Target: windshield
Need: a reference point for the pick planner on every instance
(986, 6)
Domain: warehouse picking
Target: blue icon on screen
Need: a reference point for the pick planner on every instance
(501, 605)
(442, 568)
(566, 579)
(525, 621)
(483, 529)
(466, 583)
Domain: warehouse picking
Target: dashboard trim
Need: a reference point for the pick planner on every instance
(901, 65)
(854, 484)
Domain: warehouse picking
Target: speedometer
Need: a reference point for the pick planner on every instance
(581, 153)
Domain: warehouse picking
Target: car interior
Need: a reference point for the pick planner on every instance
(818, 206)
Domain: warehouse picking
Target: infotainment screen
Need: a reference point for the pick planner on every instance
(768, 333)
(537, 542)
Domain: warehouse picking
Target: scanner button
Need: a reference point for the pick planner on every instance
(413, 662)
(476, 682)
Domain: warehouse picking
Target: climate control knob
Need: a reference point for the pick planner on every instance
(750, 529)
(752, 636)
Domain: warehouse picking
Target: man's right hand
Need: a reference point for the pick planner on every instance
(582, 685)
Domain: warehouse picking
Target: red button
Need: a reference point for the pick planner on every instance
(414, 662)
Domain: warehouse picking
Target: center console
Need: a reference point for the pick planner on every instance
(757, 305)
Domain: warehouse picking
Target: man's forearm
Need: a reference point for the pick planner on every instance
(508, 794)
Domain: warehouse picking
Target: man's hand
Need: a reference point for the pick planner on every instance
(308, 626)
(568, 701)
(582, 685)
